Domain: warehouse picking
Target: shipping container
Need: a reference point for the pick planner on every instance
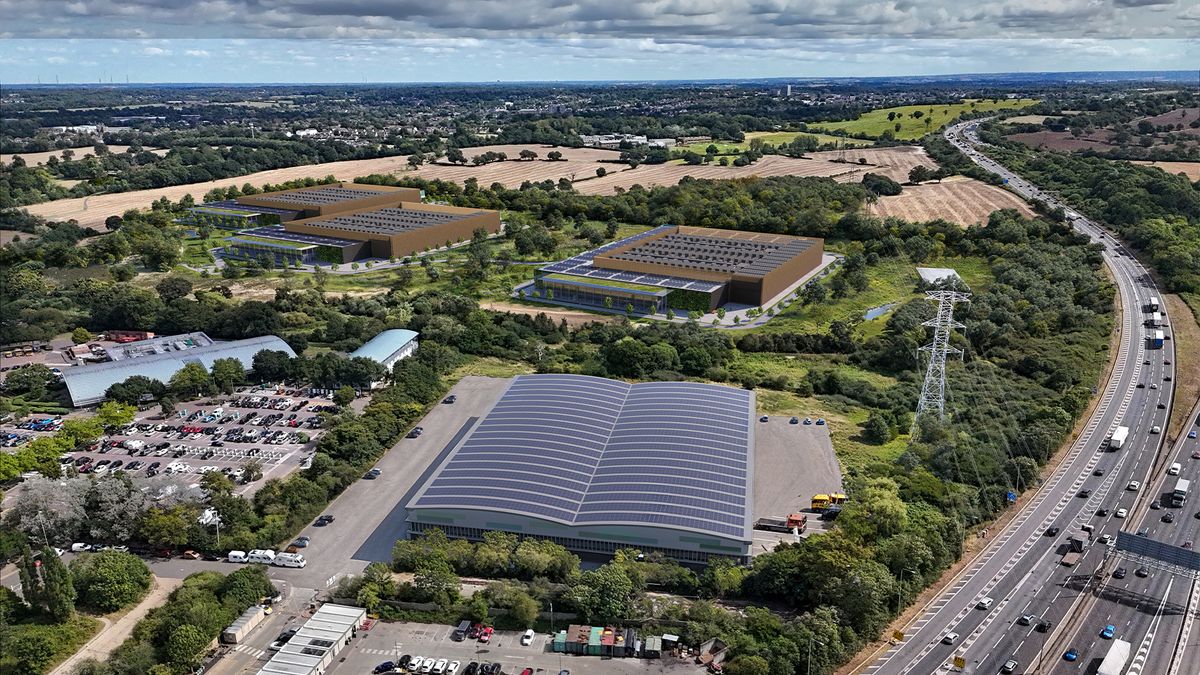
(594, 637)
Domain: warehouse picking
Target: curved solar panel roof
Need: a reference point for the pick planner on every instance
(583, 450)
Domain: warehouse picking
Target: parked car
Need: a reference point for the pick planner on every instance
(527, 638)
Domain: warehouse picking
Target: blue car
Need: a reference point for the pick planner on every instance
(1071, 655)
(1108, 632)
(1191, 434)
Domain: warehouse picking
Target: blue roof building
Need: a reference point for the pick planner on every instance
(87, 384)
(389, 347)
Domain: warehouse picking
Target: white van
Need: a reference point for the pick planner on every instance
(289, 560)
(260, 555)
(237, 557)
(1174, 470)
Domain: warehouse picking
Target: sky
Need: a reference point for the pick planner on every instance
(548, 40)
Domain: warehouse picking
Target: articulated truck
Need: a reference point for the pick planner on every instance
(1114, 661)
(1118, 438)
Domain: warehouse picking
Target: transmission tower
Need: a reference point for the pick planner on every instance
(933, 391)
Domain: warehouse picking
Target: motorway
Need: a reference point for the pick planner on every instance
(1020, 568)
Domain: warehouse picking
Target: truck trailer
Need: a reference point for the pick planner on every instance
(795, 522)
(1153, 305)
(239, 629)
(1118, 438)
(1075, 552)
(1180, 493)
(1114, 661)
(1154, 339)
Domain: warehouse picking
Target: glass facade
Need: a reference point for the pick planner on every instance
(276, 255)
(618, 299)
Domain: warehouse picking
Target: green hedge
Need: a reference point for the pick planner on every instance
(688, 300)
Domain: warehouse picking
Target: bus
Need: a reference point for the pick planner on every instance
(823, 501)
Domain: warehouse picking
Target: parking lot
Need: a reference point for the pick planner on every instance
(275, 429)
(792, 462)
(390, 641)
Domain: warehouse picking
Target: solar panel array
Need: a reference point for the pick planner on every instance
(586, 450)
(720, 254)
(581, 265)
(321, 195)
(388, 221)
(277, 232)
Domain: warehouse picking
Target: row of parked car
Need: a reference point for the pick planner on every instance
(12, 440)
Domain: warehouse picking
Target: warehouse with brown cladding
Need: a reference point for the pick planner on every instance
(332, 198)
(403, 228)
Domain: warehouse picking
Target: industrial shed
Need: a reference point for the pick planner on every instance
(87, 384)
(597, 465)
(312, 649)
(388, 347)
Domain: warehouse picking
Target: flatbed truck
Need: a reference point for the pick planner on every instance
(796, 522)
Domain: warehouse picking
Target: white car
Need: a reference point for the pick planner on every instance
(1121, 513)
(59, 552)
(985, 603)
(440, 666)
(416, 663)
(452, 668)
(1156, 429)
(1133, 486)
(527, 638)
(80, 547)
(1106, 539)
(427, 667)
(950, 638)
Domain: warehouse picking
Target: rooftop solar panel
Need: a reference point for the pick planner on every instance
(578, 449)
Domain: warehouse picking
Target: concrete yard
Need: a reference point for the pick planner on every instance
(792, 462)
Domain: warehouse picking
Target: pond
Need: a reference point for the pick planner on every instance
(876, 312)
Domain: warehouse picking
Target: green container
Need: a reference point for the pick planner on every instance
(594, 641)
(560, 642)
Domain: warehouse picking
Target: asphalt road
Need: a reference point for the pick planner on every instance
(1020, 569)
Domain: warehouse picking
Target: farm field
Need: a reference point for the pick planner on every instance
(875, 122)
(774, 138)
(895, 163)
(648, 175)
(1184, 116)
(963, 201)
(1191, 169)
(91, 211)
(1026, 119)
(1063, 140)
(38, 158)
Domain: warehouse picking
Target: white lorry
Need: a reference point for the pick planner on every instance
(1114, 661)
(1118, 438)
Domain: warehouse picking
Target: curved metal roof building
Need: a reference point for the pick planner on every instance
(388, 347)
(599, 464)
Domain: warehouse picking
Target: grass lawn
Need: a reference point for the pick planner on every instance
(489, 366)
(195, 250)
(772, 137)
(796, 366)
(604, 282)
(875, 122)
(845, 427)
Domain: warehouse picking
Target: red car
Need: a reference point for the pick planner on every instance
(476, 631)
(527, 671)
(485, 635)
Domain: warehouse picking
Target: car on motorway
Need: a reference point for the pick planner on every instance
(1108, 632)
(1154, 385)
(1105, 539)
(1052, 531)
(1187, 544)
(1155, 505)
(1103, 513)
(416, 431)
(1098, 472)
(1071, 654)
(1141, 385)
(1044, 626)
(1168, 517)
(1144, 532)
(1156, 429)
(984, 603)
(1142, 572)
(1121, 513)
(1119, 573)
(950, 638)
(1133, 486)
(1195, 453)
(1026, 619)
(1010, 666)
(1084, 494)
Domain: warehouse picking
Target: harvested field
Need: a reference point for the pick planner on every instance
(1184, 116)
(580, 161)
(963, 201)
(574, 318)
(1187, 362)
(36, 158)
(1026, 119)
(1064, 141)
(895, 163)
(1190, 169)
(648, 175)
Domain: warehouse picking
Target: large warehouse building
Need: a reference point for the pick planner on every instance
(339, 223)
(597, 465)
(682, 268)
(159, 359)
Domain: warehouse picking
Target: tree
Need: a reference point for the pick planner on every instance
(880, 185)
(523, 609)
(191, 381)
(878, 430)
(81, 336)
(185, 646)
(527, 154)
(455, 156)
(31, 379)
(110, 580)
(251, 471)
(112, 223)
(748, 665)
(601, 172)
(166, 527)
(477, 608)
(344, 395)
(415, 160)
(919, 174)
(437, 582)
(554, 155)
(602, 595)
(227, 374)
(32, 653)
(173, 288)
(272, 366)
(875, 510)
(135, 389)
(57, 587)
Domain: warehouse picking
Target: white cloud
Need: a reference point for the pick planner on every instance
(155, 51)
(200, 53)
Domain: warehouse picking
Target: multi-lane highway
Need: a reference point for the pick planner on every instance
(995, 611)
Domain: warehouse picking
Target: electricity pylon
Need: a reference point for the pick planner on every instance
(933, 390)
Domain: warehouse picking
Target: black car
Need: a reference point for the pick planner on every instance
(794, 420)
(1119, 573)
(1052, 532)
(1085, 493)
(450, 399)
(1168, 517)
(1044, 626)
(472, 669)
(416, 431)
(404, 661)
(1103, 513)
(1155, 505)
(322, 521)
(1142, 572)
(372, 474)
(1098, 472)
(1141, 385)
(386, 666)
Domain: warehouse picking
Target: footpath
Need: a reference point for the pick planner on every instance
(115, 632)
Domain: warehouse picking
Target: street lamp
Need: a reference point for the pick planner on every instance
(812, 639)
(42, 522)
(900, 589)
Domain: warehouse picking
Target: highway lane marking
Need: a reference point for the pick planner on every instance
(935, 606)
(1186, 631)
(1143, 652)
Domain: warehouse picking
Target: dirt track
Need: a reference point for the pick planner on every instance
(895, 163)
(963, 201)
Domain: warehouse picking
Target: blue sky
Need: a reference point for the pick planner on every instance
(522, 40)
